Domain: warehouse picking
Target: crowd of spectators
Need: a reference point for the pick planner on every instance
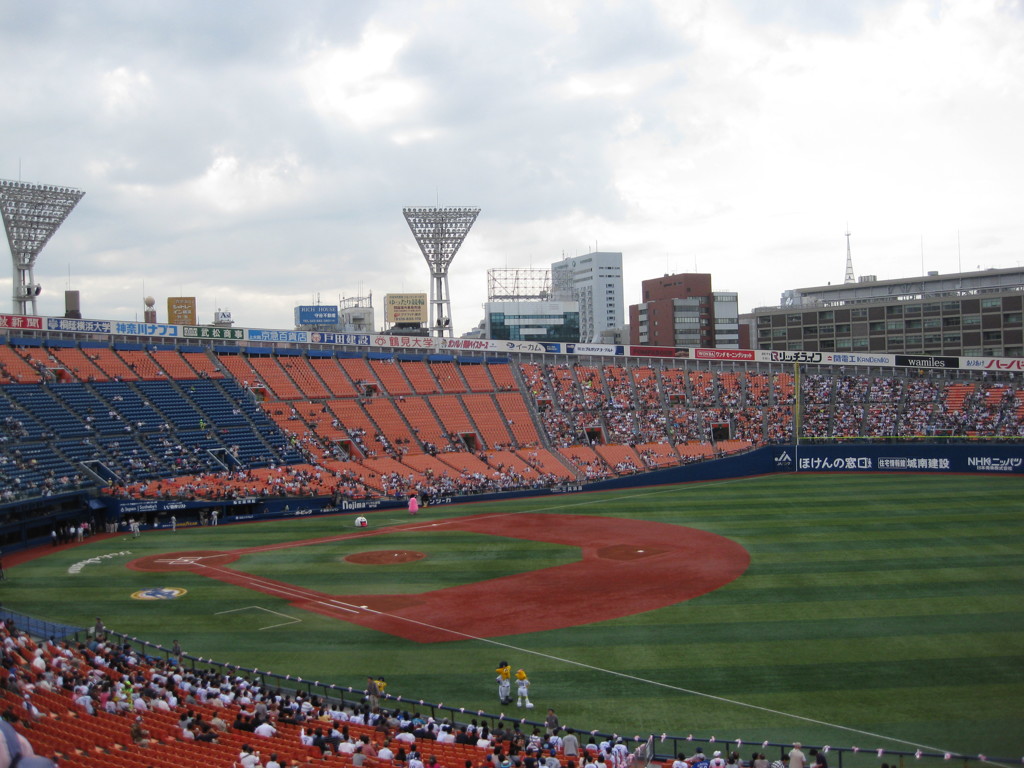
(574, 405)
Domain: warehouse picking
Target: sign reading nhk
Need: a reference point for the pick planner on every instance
(405, 308)
(181, 310)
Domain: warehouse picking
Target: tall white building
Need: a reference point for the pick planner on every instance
(595, 281)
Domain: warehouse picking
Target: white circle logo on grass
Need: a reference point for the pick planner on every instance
(159, 593)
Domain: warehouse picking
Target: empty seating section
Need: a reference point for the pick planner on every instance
(453, 416)
(390, 375)
(141, 364)
(362, 376)
(15, 369)
(81, 363)
(305, 377)
(239, 368)
(108, 361)
(275, 377)
(478, 377)
(504, 379)
(449, 376)
(419, 375)
(171, 362)
(333, 376)
(489, 422)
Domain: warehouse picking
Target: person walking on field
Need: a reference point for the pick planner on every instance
(414, 504)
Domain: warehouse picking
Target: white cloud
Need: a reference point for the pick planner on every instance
(257, 164)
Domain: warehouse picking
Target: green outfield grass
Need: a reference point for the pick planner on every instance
(876, 611)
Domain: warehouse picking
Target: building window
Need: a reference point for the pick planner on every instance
(991, 304)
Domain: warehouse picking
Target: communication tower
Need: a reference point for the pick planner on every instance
(32, 213)
(849, 261)
(439, 232)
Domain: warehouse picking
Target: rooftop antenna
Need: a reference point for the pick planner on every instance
(849, 278)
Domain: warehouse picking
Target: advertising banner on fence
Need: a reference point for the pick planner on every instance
(993, 363)
(21, 321)
(912, 457)
(81, 326)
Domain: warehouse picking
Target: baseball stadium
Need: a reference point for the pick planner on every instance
(346, 540)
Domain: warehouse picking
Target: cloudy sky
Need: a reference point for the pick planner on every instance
(257, 155)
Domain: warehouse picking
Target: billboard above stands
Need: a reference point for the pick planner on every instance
(405, 308)
(574, 348)
(316, 314)
(181, 310)
(638, 351)
(926, 361)
(722, 354)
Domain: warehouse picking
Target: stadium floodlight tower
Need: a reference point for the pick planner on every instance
(32, 213)
(439, 232)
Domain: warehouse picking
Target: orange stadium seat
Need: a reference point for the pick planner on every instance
(518, 418)
(491, 424)
(449, 376)
(420, 376)
(15, 368)
(478, 377)
(276, 377)
(333, 376)
(391, 377)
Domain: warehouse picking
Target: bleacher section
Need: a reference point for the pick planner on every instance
(124, 416)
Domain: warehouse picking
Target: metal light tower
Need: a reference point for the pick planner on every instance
(439, 232)
(32, 213)
(849, 277)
